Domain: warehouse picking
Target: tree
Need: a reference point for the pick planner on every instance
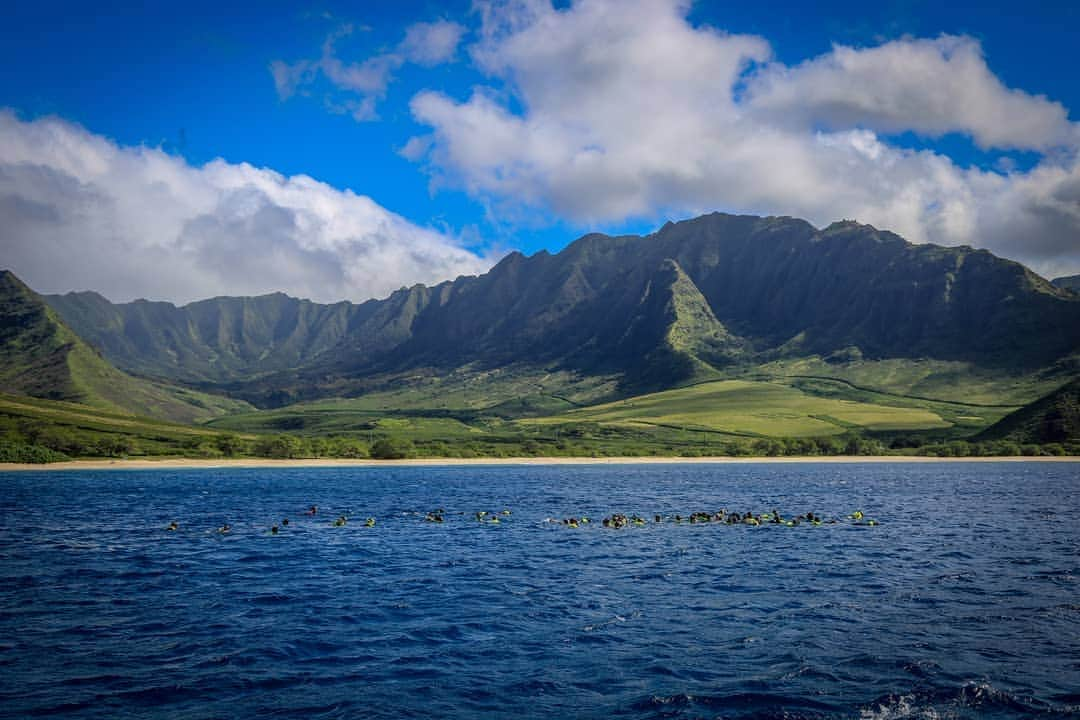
(229, 445)
(392, 449)
(346, 447)
(279, 446)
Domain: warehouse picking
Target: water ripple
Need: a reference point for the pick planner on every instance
(960, 604)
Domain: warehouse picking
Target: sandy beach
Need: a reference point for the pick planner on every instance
(193, 463)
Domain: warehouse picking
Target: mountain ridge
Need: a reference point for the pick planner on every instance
(775, 287)
(40, 356)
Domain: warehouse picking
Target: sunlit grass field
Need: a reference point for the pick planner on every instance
(511, 413)
(757, 408)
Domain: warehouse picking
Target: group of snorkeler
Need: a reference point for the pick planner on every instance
(343, 519)
(614, 521)
(491, 518)
(481, 516)
(225, 529)
(619, 520)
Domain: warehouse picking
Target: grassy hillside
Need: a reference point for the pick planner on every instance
(423, 406)
(949, 381)
(508, 392)
(502, 413)
(807, 417)
(808, 397)
(41, 357)
(759, 409)
(1054, 418)
(85, 431)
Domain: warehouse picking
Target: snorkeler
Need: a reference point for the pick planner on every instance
(173, 526)
(224, 528)
(370, 522)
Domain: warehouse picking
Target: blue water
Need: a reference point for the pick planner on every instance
(963, 602)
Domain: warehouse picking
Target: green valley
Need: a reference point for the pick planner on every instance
(718, 335)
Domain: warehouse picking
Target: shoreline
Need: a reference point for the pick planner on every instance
(198, 463)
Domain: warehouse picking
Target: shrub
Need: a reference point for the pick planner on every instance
(345, 447)
(115, 446)
(229, 445)
(279, 446)
(392, 449)
(17, 452)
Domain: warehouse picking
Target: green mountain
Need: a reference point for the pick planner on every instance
(674, 332)
(213, 340)
(698, 296)
(1054, 418)
(41, 357)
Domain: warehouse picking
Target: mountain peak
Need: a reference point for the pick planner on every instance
(8, 280)
(847, 224)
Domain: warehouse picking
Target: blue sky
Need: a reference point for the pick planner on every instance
(194, 82)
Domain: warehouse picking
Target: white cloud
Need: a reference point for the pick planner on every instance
(369, 77)
(80, 212)
(932, 87)
(625, 109)
(431, 43)
(425, 44)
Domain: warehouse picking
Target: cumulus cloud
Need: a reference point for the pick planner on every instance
(79, 211)
(425, 44)
(931, 87)
(604, 110)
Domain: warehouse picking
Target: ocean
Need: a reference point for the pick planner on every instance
(961, 601)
